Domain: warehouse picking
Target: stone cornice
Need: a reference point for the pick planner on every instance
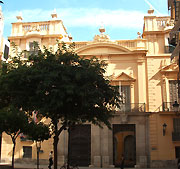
(24, 23)
(159, 55)
(33, 35)
(156, 32)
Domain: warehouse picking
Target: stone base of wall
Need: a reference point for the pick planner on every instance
(164, 163)
(5, 166)
(31, 161)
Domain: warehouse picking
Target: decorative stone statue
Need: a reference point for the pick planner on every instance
(102, 37)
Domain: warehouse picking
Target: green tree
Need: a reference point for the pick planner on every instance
(38, 132)
(13, 122)
(61, 86)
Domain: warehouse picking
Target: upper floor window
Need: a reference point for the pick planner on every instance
(125, 94)
(173, 90)
(177, 10)
(33, 47)
(6, 52)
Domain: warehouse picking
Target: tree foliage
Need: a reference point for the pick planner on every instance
(62, 86)
(38, 131)
(13, 121)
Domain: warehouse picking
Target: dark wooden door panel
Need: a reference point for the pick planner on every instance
(80, 145)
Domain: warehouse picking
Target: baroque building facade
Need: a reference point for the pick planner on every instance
(145, 74)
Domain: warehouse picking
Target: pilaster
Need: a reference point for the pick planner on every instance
(141, 82)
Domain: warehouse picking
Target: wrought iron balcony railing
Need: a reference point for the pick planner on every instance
(168, 106)
(175, 136)
(132, 107)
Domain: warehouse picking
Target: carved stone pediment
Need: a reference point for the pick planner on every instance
(124, 77)
(170, 68)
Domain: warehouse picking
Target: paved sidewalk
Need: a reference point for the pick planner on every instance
(30, 166)
(34, 166)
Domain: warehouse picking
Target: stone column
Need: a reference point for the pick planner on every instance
(63, 147)
(104, 146)
(95, 146)
(132, 93)
(141, 145)
(141, 82)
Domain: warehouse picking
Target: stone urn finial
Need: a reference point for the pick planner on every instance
(150, 11)
(70, 37)
(139, 35)
(19, 17)
(54, 14)
(102, 29)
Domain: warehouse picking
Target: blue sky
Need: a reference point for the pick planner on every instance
(82, 19)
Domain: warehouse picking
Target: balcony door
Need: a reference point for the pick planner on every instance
(173, 90)
(125, 98)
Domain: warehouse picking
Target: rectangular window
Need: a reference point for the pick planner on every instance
(176, 125)
(177, 10)
(27, 152)
(6, 52)
(125, 92)
(33, 49)
(173, 90)
(125, 96)
(31, 46)
(177, 150)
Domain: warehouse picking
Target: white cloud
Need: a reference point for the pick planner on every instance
(82, 17)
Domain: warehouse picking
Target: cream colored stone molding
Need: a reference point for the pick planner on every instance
(124, 118)
(124, 77)
(172, 68)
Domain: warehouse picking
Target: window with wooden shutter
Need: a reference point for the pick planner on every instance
(177, 10)
(6, 52)
(173, 90)
(125, 98)
(176, 125)
(126, 92)
(27, 152)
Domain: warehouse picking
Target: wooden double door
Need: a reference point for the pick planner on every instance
(80, 145)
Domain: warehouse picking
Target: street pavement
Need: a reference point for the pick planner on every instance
(34, 166)
(30, 166)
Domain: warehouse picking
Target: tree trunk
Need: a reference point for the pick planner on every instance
(55, 146)
(56, 140)
(0, 144)
(38, 149)
(14, 145)
(68, 162)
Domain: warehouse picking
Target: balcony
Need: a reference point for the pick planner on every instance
(132, 107)
(168, 107)
(175, 136)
